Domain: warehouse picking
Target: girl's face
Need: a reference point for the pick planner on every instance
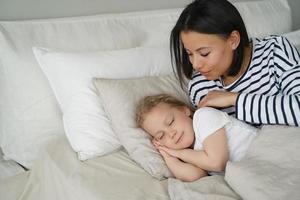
(210, 54)
(169, 126)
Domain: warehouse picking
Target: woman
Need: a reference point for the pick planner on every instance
(257, 80)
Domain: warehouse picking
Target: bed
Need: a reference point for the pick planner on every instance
(68, 91)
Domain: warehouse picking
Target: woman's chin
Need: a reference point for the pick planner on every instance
(210, 77)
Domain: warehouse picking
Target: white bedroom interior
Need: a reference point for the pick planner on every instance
(55, 57)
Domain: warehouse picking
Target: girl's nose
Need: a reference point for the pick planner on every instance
(172, 133)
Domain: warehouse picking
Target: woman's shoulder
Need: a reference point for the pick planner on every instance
(276, 40)
(281, 48)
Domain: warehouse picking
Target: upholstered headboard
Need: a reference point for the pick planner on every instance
(33, 9)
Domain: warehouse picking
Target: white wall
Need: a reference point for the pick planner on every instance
(24, 9)
(30, 9)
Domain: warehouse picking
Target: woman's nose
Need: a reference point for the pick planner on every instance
(197, 63)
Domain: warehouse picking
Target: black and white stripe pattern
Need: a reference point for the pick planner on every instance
(269, 91)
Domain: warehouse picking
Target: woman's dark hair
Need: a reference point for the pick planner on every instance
(210, 17)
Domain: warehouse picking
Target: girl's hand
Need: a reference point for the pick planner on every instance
(218, 99)
(164, 154)
(155, 143)
(172, 152)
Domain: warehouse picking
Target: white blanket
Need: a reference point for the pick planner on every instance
(207, 188)
(270, 170)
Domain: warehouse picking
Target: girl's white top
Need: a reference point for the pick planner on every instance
(207, 121)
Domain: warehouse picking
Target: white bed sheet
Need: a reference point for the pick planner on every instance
(9, 168)
(59, 175)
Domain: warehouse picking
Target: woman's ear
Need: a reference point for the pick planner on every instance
(234, 39)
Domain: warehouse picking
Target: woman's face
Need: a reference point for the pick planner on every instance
(209, 54)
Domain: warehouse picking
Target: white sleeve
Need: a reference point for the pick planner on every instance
(207, 121)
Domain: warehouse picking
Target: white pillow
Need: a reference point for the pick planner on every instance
(120, 98)
(70, 76)
(29, 113)
(271, 167)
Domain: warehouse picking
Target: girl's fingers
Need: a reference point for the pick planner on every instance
(155, 143)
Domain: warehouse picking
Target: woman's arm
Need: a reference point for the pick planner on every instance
(283, 107)
(263, 107)
(213, 157)
(181, 170)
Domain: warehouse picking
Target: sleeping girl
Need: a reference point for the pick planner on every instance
(193, 144)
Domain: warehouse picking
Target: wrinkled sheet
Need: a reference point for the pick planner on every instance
(59, 175)
(270, 170)
(8, 167)
(207, 188)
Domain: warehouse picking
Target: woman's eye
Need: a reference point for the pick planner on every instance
(205, 54)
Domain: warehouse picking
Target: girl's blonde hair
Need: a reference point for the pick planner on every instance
(146, 104)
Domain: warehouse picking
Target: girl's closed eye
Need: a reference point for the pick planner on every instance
(159, 136)
(171, 121)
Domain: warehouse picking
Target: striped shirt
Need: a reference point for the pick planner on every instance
(269, 90)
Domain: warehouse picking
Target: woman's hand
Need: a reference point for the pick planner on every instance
(218, 99)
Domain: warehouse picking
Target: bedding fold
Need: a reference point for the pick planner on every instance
(207, 188)
(59, 175)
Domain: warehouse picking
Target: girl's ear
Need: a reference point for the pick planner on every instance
(187, 111)
(234, 39)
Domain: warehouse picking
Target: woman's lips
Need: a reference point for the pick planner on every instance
(205, 73)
